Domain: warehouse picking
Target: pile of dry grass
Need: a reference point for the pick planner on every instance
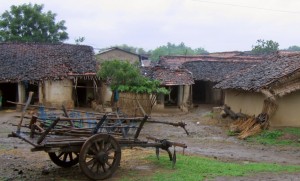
(250, 126)
(254, 125)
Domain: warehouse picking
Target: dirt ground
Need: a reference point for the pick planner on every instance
(208, 137)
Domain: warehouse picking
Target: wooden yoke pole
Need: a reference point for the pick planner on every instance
(24, 111)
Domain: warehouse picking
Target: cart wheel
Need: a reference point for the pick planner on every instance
(64, 159)
(100, 156)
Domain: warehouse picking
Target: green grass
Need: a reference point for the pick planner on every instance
(273, 137)
(231, 133)
(294, 131)
(199, 168)
(208, 115)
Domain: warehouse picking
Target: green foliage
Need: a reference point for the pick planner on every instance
(294, 48)
(125, 77)
(274, 137)
(265, 47)
(173, 49)
(79, 40)
(199, 51)
(199, 168)
(27, 23)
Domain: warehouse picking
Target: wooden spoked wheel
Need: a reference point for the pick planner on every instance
(100, 156)
(64, 159)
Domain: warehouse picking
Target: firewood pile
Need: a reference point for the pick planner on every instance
(250, 126)
(247, 126)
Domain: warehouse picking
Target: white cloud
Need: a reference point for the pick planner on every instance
(217, 25)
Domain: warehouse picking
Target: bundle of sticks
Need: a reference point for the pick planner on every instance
(245, 127)
(250, 126)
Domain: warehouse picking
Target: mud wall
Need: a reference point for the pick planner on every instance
(105, 97)
(287, 113)
(117, 55)
(56, 93)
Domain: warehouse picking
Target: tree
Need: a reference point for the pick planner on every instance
(265, 47)
(293, 48)
(132, 49)
(173, 49)
(200, 50)
(126, 77)
(27, 23)
(79, 40)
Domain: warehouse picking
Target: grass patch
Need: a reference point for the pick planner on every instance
(208, 115)
(283, 137)
(294, 131)
(199, 168)
(231, 133)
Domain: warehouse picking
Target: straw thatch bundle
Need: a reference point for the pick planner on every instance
(250, 131)
(254, 125)
(251, 126)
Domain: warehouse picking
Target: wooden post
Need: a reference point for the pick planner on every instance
(67, 115)
(137, 133)
(42, 137)
(180, 95)
(32, 121)
(24, 111)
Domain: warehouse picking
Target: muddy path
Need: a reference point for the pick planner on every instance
(208, 137)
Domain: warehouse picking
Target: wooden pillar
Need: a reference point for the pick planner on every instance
(161, 101)
(21, 94)
(186, 94)
(180, 95)
(41, 93)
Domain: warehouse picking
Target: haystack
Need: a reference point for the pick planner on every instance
(254, 125)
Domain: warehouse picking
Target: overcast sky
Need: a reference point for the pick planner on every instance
(216, 25)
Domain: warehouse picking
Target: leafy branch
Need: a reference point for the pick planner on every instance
(126, 77)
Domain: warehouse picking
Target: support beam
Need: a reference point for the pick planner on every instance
(180, 95)
(21, 95)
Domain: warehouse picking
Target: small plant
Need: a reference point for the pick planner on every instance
(232, 133)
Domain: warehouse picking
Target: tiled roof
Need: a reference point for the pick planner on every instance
(168, 76)
(40, 61)
(176, 61)
(215, 71)
(262, 75)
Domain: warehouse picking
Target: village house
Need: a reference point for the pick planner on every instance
(274, 81)
(177, 81)
(115, 53)
(206, 71)
(56, 73)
